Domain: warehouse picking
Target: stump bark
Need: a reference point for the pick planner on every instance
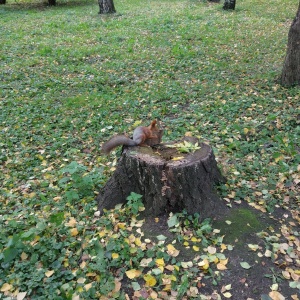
(167, 179)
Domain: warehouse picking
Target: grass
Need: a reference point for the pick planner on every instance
(71, 78)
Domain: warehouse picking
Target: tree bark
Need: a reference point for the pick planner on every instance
(106, 7)
(229, 4)
(52, 2)
(290, 75)
(166, 184)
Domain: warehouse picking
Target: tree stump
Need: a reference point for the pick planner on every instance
(167, 179)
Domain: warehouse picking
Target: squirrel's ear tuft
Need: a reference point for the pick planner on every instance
(153, 123)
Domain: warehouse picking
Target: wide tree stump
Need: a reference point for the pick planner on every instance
(167, 179)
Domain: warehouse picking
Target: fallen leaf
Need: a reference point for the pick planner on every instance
(172, 251)
(245, 265)
(133, 273)
(150, 280)
(81, 280)
(6, 287)
(49, 273)
(276, 296)
(21, 296)
(74, 232)
(211, 250)
(227, 295)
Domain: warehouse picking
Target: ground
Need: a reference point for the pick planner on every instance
(246, 222)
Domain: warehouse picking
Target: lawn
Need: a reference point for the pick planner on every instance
(71, 78)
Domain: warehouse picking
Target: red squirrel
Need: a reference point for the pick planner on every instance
(141, 136)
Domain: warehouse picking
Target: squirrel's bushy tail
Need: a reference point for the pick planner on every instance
(116, 141)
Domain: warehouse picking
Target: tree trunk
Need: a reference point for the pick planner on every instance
(2, 1)
(229, 4)
(52, 2)
(167, 180)
(291, 69)
(106, 7)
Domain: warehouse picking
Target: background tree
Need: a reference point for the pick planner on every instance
(229, 4)
(2, 1)
(106, 7)
(291, 69)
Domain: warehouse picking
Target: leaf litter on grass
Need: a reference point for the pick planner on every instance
(196, 68)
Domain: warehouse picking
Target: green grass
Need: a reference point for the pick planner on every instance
(70, 78)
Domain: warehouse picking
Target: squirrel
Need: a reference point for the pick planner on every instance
(141, 136)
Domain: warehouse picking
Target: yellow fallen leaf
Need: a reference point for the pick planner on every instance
(204, 264)
(223, 247)
(221, 267)
(150, 280)
(167, 287)
(160, 262)
(121, 225)
(133, 273)
(49, 273)
(114, 255)
(196, 248)
(6, 287)
(178, 158)
(138, 242)
(74, 232)
(172, 251)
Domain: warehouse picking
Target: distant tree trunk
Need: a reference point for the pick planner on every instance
(291, 69)
(52, 2)
(229, 4)
(2, 1)
(106, 7)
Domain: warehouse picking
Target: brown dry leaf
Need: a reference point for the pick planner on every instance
(276, 295)
(117, 286)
